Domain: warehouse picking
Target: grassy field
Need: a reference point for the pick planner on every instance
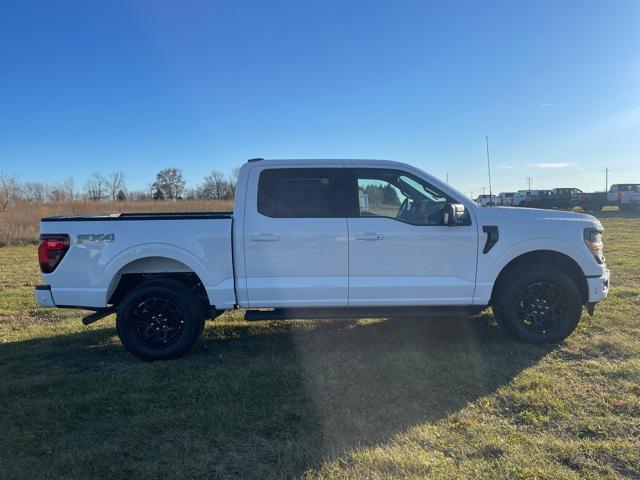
(343, 399)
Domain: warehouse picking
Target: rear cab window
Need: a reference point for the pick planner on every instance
(302, 193)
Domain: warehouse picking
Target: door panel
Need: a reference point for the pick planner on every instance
(411, 264)
(400, 253)
(290, 260)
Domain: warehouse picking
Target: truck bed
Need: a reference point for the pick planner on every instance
(103, 248)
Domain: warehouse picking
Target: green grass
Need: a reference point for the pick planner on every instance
(359, 399)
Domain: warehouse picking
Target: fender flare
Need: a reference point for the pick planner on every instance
(145, 250)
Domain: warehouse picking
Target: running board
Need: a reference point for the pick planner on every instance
(360, 312)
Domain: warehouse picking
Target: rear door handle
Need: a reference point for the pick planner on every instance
(265, 237)
(369, 236)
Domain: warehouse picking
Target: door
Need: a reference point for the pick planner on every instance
(400, 251)
(295, 238)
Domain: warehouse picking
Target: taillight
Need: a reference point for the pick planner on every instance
(51, 250)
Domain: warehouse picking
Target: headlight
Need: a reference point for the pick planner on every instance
(593, 241)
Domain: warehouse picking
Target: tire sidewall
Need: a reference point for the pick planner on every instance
(185, 301)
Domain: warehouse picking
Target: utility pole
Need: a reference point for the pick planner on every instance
(606, 179)
(447, 178)
(483, 190)
(528, 179)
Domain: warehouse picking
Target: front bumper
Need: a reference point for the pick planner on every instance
(43, 296)
(598, 287)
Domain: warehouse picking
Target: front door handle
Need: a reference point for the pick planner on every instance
(369, 236)
(265, 237)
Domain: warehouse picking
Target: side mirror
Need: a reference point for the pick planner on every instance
(454, 214)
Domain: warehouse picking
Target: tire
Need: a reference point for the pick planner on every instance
(159, 319)
(538, 304)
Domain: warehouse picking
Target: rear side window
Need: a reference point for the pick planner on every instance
(301, 193)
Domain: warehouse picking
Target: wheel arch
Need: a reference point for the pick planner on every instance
(146, 268)
(545, 257)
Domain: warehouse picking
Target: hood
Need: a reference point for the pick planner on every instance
(515, 214)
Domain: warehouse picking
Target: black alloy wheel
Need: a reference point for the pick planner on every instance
(157, 323)
(541, 307)
(160, 319)
(538, 303)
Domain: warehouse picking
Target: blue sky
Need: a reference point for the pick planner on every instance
(141, 85)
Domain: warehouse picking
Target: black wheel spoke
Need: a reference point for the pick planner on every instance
(541, 307)
(157, 323)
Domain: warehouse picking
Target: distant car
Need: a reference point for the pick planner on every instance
(533, 198)
(507, 199)
(624, 195)
(487, 200)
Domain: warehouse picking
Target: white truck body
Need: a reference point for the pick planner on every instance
(627, 194)
(252, 260)
(507, 199)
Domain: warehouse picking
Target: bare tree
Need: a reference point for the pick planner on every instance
(233, 180)
(68, 188)
(96, 187)
(8, 189)
(116, 184)
(35, 191)
(169, 184)
(216, 186)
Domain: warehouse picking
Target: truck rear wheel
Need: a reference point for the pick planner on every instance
(538, 304)
(159, 319)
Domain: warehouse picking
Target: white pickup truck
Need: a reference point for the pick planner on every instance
(325, 238)
(625, 195)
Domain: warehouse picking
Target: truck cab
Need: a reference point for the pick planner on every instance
(307, 237)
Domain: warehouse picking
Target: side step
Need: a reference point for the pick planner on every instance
(360, 312)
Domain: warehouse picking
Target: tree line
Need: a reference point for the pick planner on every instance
(169, 185)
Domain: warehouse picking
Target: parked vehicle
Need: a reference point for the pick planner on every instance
(487, 200)
(533, 198)
(568, 198)
(325, 238)
(624, 195)
(590, 201)
(563, 197)
(507, 199)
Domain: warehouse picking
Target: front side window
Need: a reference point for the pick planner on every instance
(400, 196)
(301, 193)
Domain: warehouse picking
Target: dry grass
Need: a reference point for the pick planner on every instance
(331, 400)
(19, 224)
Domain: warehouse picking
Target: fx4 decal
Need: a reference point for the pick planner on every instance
(96, 238)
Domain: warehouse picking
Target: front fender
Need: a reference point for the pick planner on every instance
(491, 264)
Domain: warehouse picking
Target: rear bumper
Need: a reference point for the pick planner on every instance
(598, 287)
(43, 296)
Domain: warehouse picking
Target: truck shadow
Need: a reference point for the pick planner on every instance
(260, 400)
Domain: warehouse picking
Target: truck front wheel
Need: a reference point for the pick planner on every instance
(159, 319)
(537, 303)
